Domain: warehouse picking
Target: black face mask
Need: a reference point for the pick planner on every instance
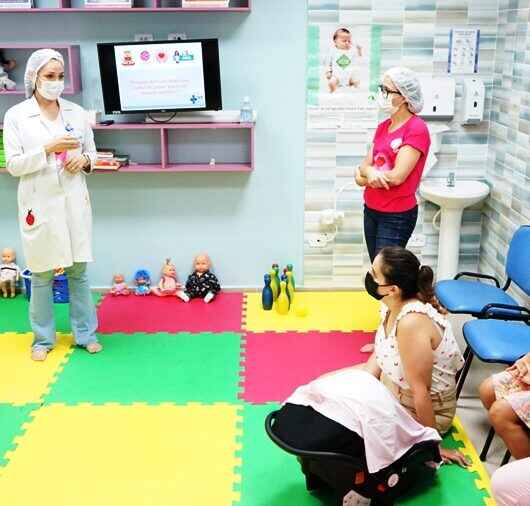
(371, 286)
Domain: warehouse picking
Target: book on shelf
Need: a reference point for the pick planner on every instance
(106, 165)
(191, 4)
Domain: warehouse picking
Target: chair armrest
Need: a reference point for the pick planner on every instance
(510, 312)
(478, 276)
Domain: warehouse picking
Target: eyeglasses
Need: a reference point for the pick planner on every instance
(387, 91)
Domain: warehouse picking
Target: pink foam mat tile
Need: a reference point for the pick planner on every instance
(153, 314)
(275, 364)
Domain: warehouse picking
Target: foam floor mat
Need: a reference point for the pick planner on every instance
(152, 314)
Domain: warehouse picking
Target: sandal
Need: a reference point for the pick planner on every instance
(94, 347)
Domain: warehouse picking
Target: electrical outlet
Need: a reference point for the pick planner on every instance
(317, 241)
(177, 36)
(143, 37)
(417, 241)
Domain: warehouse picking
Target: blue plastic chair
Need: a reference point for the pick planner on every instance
(494, 341)
(472, 297)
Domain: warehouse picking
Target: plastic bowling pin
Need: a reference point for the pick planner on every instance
(282, 304)
(275, 285)
(284, 278)
(291, 280)
(276, 269)
(267, 299)
(290, 285)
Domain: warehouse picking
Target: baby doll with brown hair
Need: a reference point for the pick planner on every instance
(201, 282)
(168, 284)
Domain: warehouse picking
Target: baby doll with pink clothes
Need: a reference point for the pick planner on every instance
(168, 284)
(119, 287)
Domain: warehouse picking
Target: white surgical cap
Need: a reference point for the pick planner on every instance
(35, 62)
(407, 83)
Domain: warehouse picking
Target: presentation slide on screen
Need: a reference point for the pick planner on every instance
(160, 76)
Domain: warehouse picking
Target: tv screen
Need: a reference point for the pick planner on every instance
(160, 76)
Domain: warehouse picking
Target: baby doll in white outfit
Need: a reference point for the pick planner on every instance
(341, 62)
(9, 273)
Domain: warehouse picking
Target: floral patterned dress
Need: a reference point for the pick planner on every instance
(515, 392)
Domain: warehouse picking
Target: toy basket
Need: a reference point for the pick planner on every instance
(59, 287)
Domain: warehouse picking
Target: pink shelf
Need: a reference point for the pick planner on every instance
(166, 165)
(173, 126)
(64, 6)
(219, 167)
(72, 62)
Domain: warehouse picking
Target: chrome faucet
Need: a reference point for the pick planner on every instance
(451, 180)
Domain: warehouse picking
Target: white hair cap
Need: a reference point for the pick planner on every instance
(407, 83)
(36, 61)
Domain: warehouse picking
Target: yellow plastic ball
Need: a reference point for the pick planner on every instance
(301, 310)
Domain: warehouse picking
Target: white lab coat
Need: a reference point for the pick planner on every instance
(59, 202)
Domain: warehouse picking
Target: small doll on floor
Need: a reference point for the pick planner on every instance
(9, 273)
(168, 284)
(202, 283)
(119, 287)
(142, 279)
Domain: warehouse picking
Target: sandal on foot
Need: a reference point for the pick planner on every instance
(39, 354)
(94, 347)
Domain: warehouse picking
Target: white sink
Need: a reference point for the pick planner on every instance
(452, 201)
(463, 194)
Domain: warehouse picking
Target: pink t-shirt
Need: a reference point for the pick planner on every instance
(385, 149)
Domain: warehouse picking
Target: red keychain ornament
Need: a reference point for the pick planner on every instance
(30, 219)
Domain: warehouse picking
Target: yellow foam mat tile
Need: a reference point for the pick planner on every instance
(22, 380)
(326, 312)
(137, 455)
(483, 481)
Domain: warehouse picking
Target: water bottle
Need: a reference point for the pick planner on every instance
(246, 114)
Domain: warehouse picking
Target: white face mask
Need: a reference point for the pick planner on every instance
(51, 90)
(385, 104)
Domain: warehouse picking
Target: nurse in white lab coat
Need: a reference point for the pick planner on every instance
(49, 146)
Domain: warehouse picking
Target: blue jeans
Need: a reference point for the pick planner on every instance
(83, 319)
(387, 229)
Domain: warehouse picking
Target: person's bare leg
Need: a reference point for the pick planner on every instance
(510, 428)
(333, 84)
(487, 393)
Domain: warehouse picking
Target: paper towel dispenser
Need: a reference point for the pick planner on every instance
(438, 96)
(474, 95)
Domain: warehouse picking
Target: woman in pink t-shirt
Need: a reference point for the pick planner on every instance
(392, 169)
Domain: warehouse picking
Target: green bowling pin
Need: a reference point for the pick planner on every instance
(276, 269)
(282, 304)
(289, 268)
(275, 285)
(290, 286)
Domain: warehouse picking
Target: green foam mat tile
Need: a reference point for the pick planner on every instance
(270, 477)
(153, 368)
(11, 420)
(14, 314)
(452, 486)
